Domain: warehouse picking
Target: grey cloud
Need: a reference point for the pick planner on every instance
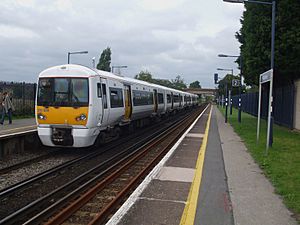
(167, 42)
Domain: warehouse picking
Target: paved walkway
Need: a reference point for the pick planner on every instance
(233, 190)
(214, 205)
(252, 195)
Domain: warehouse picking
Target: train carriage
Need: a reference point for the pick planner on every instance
(77, 105)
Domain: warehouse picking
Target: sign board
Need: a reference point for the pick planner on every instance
(266, 76)
(235, 83)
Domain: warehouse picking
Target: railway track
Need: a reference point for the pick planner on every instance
(21, 202)
(64, 151)
(25, 163)
(96, 205)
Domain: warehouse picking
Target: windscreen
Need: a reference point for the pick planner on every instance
(63, 92)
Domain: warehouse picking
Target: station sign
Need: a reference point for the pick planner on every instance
(266, 76)
(235, 83)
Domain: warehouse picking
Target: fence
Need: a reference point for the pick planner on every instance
(22, 95)
(283, 104)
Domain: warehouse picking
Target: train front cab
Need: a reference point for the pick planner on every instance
(63, 111)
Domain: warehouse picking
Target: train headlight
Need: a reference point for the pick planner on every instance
(41, 116)
(82, 117)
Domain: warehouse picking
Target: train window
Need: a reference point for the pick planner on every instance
(99, 92)
(168, 98)
(63, 92)
(142, 98)
(79, 90)
(160, 98)
(116, 97)
(176, 98)
(104, 99)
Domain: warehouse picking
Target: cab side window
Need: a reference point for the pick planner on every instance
(104, 99)
(99, 92)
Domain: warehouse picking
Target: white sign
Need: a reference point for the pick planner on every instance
(235, 83)
(266, 76)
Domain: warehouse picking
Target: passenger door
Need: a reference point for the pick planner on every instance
(128, 104)
(155, 101)
(172, 100)
(105, 109)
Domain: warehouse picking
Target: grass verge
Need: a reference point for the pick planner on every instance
(282, 164)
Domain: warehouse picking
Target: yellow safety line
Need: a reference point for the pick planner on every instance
(18, 128)
(189, 212)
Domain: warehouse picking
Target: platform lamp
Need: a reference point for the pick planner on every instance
(240, 86)
(72, 53)
(119, 67)
(228, 100)
(270, 113)
(226, 97)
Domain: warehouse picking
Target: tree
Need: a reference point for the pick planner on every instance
(195, 84)
(228, 80)
(145, 76)
(105, 60)
(255, 39)
(178, 83)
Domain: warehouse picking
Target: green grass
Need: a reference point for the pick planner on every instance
(282, 164)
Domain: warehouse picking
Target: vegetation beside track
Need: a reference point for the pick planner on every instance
(282, 164)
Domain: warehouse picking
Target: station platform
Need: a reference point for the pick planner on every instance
(208, 177)
(17, 126)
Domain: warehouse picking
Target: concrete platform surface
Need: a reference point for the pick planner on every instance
(18, 125)
(162, 197)
(252, 195)
(231, 187)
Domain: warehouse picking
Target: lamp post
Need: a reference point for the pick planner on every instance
(72, 53)
(93, 62)
(229, 97)
(270, 116)
(226, 93)
(240, 86)
(119, 67)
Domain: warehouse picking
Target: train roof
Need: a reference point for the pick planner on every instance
(75, 70)
(69, 70)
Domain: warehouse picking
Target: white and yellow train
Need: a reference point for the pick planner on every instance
(76, 105)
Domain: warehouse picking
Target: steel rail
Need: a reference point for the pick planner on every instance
(31, 205)
(102, 216)
(76, 205)
(11, 189)
(59, 203)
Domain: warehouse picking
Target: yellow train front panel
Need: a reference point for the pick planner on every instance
(62, 115)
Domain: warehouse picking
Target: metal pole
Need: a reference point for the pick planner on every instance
(230, 102)
(68, 57)
(269, 132)
(226, 104)
(231, 106)
(230, 97)
(240, 89)
(258, 113)
(93, 62)
(222, 101)
(270, 122)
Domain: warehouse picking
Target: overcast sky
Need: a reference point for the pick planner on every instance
(165, 37)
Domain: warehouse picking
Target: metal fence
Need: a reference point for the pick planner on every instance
(22, 96)
(283, 104)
